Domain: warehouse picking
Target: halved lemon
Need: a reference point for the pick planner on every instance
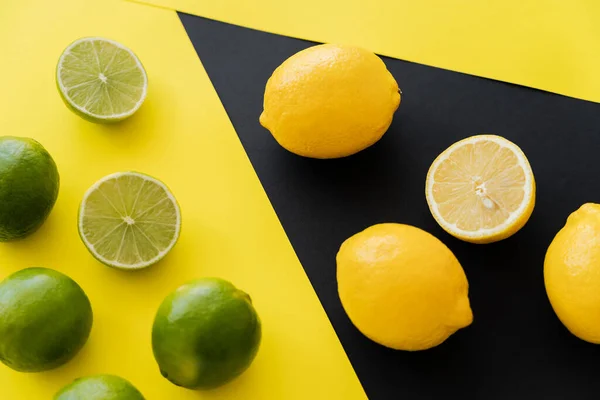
(481, 189)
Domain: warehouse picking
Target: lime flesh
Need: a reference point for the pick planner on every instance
(45, 319)
(29, 183)
(101, 80)
(205, 334)
(99, 387)
(129, 220)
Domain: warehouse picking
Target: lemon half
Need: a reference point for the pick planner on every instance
(481, 189)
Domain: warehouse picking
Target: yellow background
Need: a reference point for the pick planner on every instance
(546, 44)
(181, 135)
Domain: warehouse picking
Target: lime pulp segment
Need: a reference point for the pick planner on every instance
(101, 80)
(129, 220)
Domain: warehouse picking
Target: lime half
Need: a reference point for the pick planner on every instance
(101, 80)
(129, 220)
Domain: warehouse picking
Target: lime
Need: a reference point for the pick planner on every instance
(101, 80)
(45, 319)
(99, 387)
(129, 220)
(29, 184)
(205, 334)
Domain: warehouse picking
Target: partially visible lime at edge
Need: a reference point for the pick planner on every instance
(45, 319)
(29, 184)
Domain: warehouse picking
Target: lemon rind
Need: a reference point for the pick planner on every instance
(114, 263)
(86, 112)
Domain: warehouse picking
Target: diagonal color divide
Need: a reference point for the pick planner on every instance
(182, 136)
(516, 348)
(548, 45)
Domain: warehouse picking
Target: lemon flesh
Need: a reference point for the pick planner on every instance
(101, 80)
(29, 184)
(481, 189)
(129, 220)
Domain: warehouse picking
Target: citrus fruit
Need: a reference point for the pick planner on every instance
(205, 334)
(330, 101)
(99, 387)
(572, 273)
(101, 80)
(481, 189)
(45, 319)
(29, 184)
(402, 287)
(129, 220)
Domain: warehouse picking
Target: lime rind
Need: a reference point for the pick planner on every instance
(81, 110)
(99, 387)
(112, 262)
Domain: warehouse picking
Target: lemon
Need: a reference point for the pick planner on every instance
(205, 334)
(572, 273)
(481, 189)
(129, 220)
(402, 287)
(101, 80)
(330, 101)
(99, 387)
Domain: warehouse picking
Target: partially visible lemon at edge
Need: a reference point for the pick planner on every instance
(572, 273)
(402, 287)
(330, 101)
(29, 184)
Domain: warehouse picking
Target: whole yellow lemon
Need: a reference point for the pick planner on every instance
(330, 101)
(402, 287)
(572, 273)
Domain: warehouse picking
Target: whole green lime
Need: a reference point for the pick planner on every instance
(205, 334)
(29, 184)
(99, 387)
(45, 319)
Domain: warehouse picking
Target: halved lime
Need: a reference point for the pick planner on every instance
(129, 220)
(101, 80)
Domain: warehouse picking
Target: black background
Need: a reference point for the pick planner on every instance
(516, 348)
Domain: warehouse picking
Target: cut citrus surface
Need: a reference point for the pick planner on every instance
(129, 220)
(101, 80)
(481, 189)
